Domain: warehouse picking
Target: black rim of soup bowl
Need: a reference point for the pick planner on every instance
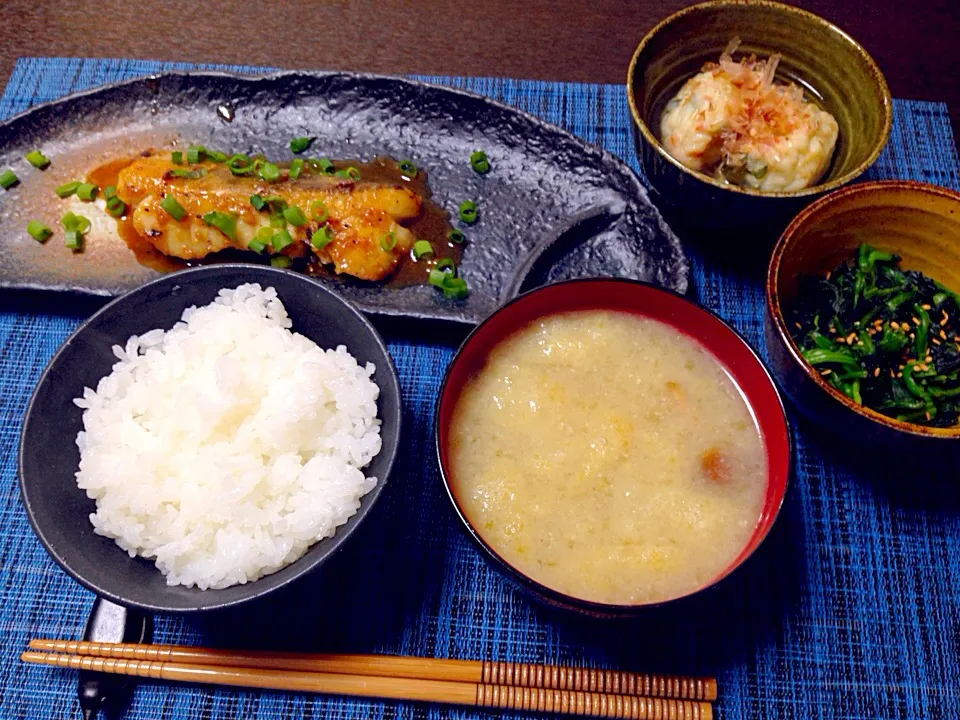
(555, 598)
(34, 472)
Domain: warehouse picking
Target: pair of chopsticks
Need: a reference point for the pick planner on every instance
(515, 686)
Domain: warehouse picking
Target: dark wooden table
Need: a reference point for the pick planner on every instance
(914, 41)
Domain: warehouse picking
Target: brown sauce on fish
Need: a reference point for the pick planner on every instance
(432, 224)
(147, 255)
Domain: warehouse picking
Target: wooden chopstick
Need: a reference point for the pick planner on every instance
(571, 702)
(530, 675)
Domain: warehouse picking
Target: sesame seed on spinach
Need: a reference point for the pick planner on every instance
(887, 338)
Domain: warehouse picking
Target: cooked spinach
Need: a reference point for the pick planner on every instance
(887, 338)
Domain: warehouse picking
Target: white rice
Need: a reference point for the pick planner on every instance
(226, 446)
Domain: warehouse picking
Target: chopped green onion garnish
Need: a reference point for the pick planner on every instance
(421, 248)
(322, 237)
(8, 179)
(454, 288)
(294, 216)
(456, 237)
(277, 203)
(479, 161)
(280, 261)
(325, 165)
(407, 168)
(75, 222)
(296, 167)
(188, 174)
(38, 231)
(177, 157)
(195, 154)
(72, 239)
(76, 226)
(70, 221)
(116, 206)
(67, 189)
(388, 242)
(217, 157)
(444, 263)
(298, 145)
(349, 172)
(468, 212)
(319, 211)
(264, 234)
(240, 164)
(444, 276)
(257, 246)
(436, 277)
(258, 202)
(87, 191)
(173, 208)
(280, 239)
(227, 224)
(37, 159)
(269, 172)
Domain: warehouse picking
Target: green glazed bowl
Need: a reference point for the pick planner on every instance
(827, 63)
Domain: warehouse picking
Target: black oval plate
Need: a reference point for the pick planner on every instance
(552, 207)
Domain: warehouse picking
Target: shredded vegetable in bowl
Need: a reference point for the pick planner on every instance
(733, 122)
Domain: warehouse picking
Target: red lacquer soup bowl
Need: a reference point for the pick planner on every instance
(719, 339)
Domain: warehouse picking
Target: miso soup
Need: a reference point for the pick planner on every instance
(608, 457)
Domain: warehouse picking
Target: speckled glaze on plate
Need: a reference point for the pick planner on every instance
(552, 207)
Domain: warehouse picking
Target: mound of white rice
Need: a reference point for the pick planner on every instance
(226, 446)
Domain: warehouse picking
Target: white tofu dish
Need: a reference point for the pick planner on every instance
(733, 122)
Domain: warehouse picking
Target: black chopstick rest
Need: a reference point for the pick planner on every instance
(109, 622)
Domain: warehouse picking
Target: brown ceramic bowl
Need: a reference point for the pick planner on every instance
(831, 67)
(918, 222)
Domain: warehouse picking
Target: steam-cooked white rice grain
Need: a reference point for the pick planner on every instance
(226, 446)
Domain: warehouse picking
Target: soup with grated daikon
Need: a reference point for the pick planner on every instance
(608, 457)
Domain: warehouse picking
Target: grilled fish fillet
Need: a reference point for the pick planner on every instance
(360, 214)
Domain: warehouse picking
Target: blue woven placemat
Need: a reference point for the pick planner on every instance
(849, 610)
